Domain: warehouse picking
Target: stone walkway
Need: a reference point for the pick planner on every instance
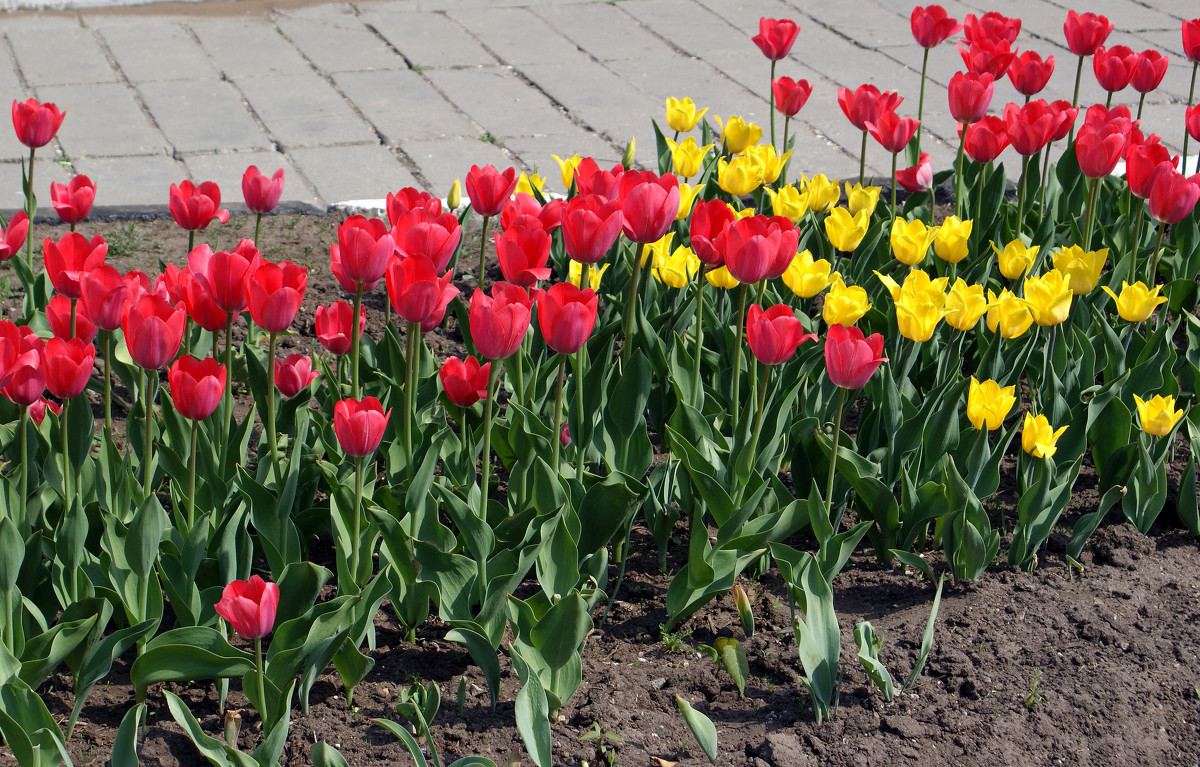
(355, 100)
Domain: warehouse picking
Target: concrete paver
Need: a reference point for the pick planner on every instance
(361, 172)
(427, 40)
(60, 55)
(158, 49)
(199, 115)
(122, 181)
(111, 121)
(401, 104)
(304, 110)
(340, 43)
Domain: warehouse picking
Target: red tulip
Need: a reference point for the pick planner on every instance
(12, 345)
(37, 410)
(851, 359)
(865, 104)
(68, 366)
(892, 131)
(274, 293)
(991, 25)
(14, 235)
(1191, 39)
(224, 273)
(36, 123)
(758, 248)
(138, 283)
(1149, 68)
(970, 96)
(1086, 32)
(489, 189)
(197, 386)
(1113, 67)
(983, 141)
(153, 331)
(590, 178)
(522, 251)
(1173, 195)
(1101, 140)
(249, 607)
(524, 204)
(293, 374)
(1142, 161)
(195, 207)
(27, 375)
(72, 202)
(70, 258)
(435, 236)
(1030, 126)
(58, 314)
(567, 316)
(1029, 73)
(775, 37)
(359, 425)
(931, 26)
(104, 295)
(790, 95)
(200, 304)
(464, 381)
(407, 199)
(333, 326)
(775, 334)
(918, 178)
(360, 256)
(552, 214)
(261, 192)
(1192, 118)
(987, 56)
(590, 226)
(709, 219)
(416, 291)
(498, 322)
(649, 204)
(170, 283)
(1065, 114)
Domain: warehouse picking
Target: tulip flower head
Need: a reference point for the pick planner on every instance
(69, 259)
(498, 322)
(850, 358)
(806, 277)
(1048, 297)
(775, 37)
(860, 198)
(965, 304)
(790, 95)
(866, 104)
(845, 231)
(293, 374)
(530, 184)
(35, 122)
(37, 410)
(590, 226)
(687, 198)
(58, 314)
(1173, 196)
(464, 381)
(249, 607)
(1157, 415)
(575, 275)
(197, 386)
(649, 203)
(416, 291)
(1136, 302)
(489, 189)
(988, 55)
(739, 176)
(274, 293)
(985, 139)
(1114, 67)
(821, 193)
(1083, 268)
(567, 316)
(1030, 126)
(951, 243)
(687, 156)
(1191, 39)
(1143, 162)
(844, 304)
(14, 235)
(989, 403)
(68, 366)
(970, 96)
(911, 240)
(72, 202)
(1015, 258)
(195, 207)
(522, 250)
(758, 248)
(677, 269)
(224, 273)
(1007, 314)
(1029, 72)
(931, 25)
(991, 25)
(103, 295)
(737, 134)
(774, 334)
(682, 114)
(769, 163)
(1149, 69)
(410, 198)
(153, 331)
(1086, 32)
(333, 326)
(1038, 437)
(917, 178)
(721, 278)
(590, 178)
(261, 192)
(360, 256)
(359, 425)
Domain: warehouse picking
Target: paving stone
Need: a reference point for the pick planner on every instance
(45, 172)
(690, 26)
(443, 161)
(199, 115)
(604, 31)
(352, 172)
(103, 120)
(248, 47)
(124, 181)
(608, 104)
(8, 73)
(684, 76)
(516, 35)
(226, 168)
(340, 43)
(401, 104)
(304, 110)
(427, 40)
(153, 49)
(60, 54)
(500, 101)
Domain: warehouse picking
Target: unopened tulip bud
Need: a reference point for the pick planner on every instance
(233, 725)
(742, 601)
(630, 150)
(454, 199)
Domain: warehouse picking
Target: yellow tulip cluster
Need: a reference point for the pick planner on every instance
(1157, 415)
(1007, 314)
(1038, 437)
(677, 269)
(1136, 302)
(1015, 259)
(988, 404)
(806, 277)
(920, 303)
(911, 240)
(844, 304)
(951, 242)
(845, 230)
(1082, 267)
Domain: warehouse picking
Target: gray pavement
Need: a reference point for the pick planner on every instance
(358, 99)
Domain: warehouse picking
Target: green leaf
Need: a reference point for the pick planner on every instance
(701, 726)
(561, 631)
(414, 748)
(914, 561)
(187, 655)
(324, 755)
(124, 751)
(607, 509)
(818, 638)
(735, 662)
(927, 638)
(868, 655)
(533, 721)
(215, 751)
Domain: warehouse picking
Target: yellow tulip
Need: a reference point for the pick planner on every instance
(1038, 437)
(911, 240)
(1015, 258)
(721, 278)
(1008, 313)
(988, 404)
(739, 176)
(454, 199)
(918, 314)
(860, 198)
(965, 304)
(687, 156)
(1136, 302)
(916, 282)
(677, 269)
(687, 198)
(627, 157)
(1048, 297)
(770, 163)
(845, 231)
(789, 203)
(527, 184)
(575, 275)
(806, 277)
(844, 304)
(952, 239)
(1157, 415)
(567, 169)
(658, 250)
(739, 134)
(822, 193)
(682, 115)
(739, 214)
(1082, 267)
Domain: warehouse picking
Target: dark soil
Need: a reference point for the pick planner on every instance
(1059, 666)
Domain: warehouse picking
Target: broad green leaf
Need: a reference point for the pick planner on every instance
(702, 728)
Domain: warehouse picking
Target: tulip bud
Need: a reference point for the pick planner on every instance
(454, 199)
(233, 725)
(630, 150)
(742, 601)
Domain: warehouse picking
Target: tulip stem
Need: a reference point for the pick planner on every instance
(558, 403)
(1186, 135)
(272, 438)
(487, 439)
(192, 240)
(862, 159)
(191, 493)
(228, 430)
(921, 100)
(895, 157)
(1152, 277)
(29, 211)
(23, 445)
(147, 474)
(74, 310)
(107, 383)
(771, 104)
(1090, 215)
(262, 690)
(1136, 242)
(356, 531)
(958, 172)
(355, 339)
(631, 301)
(700, 280)
(1141, 104)
(257, 229)
(412, 338)
(68, 497)
(737, 359)
(837, 432)
(1075, 98)
(482, 251)
(1021, 193)
(762, 403)
(1045, 177)
(787, 124)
